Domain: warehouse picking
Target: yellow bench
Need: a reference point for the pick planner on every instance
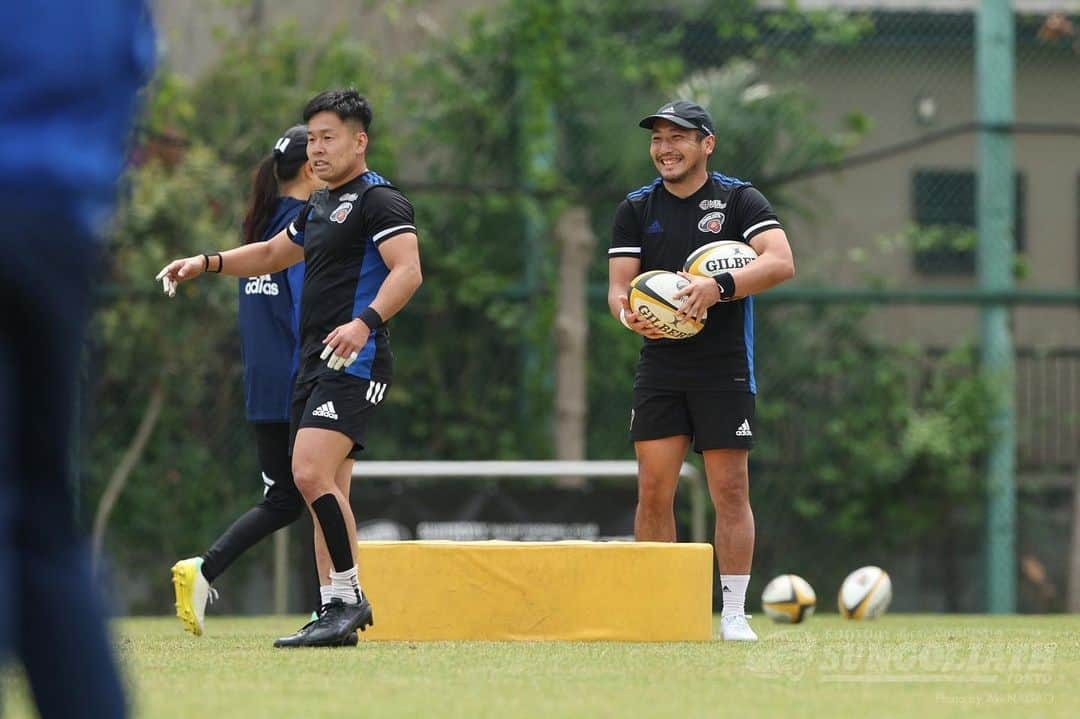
(622, 591)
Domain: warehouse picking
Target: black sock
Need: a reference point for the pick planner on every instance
(336, 534)
(251, 528)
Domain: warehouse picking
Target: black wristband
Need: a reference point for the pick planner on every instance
(726, 283)
(206, 262)
(370, 317)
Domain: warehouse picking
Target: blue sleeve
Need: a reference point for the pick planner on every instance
(295, 277)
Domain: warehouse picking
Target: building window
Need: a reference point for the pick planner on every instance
(944, 209)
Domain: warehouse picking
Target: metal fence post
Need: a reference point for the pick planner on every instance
(994, 55)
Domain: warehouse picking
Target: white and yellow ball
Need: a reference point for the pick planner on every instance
(865, 593)
(788, 599)
(652, 296)
(716, 257)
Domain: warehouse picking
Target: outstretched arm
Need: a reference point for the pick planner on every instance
(257, 258)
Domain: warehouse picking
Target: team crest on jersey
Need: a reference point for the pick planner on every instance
(711, 222)
(343, 211)
(712, 205)
(349, 197)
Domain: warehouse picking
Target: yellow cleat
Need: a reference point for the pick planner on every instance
(192, 593)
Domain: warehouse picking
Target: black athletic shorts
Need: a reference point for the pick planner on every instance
(273, 441)
(715, 419)
(339, 402)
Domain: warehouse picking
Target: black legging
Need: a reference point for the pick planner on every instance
(281, 505)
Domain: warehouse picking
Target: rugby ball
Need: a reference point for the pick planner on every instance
(716, 257)
(788, 599)
(652, 297)
(866, 593)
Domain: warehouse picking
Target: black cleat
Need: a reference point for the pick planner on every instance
(300, 639)
(335, 627)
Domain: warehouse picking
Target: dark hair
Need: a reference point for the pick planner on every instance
(346, 104)
(281, 165)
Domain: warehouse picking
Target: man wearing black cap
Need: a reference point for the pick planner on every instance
(699, 389)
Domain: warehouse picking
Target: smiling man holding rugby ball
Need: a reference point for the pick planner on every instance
(700, 389)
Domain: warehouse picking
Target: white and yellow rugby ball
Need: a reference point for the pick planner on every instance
(788, 599)
(716, 257)
(866, 593)
(652, 298)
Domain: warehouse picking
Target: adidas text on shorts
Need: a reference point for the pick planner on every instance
(341, 403)
(715, 419)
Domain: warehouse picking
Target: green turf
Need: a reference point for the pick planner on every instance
(923, 666)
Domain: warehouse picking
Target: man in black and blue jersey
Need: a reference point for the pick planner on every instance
(358, 240)
(699, 390)
(269, 322)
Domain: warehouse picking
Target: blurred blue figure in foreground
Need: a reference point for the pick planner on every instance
(69, 74)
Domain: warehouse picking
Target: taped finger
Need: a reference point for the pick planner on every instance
(326, 352)
(351, 358)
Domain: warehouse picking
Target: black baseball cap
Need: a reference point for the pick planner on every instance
(292, 144)
(682, 113)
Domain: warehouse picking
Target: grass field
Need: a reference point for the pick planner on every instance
(924, 666)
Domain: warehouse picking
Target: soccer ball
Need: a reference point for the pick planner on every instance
(866, 593)
(788, 599)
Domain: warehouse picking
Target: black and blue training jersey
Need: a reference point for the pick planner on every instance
(341, 230)
(661, 230)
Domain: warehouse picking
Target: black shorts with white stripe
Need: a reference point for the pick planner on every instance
(339, 402)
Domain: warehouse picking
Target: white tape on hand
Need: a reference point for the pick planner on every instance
(326, 352)
(622, 318)
(351, 359)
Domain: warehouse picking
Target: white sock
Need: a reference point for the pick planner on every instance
(345, 586)
(734, 589)
(326, 591)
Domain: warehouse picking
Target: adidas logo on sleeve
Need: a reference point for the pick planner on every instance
(326, 409)
(744, 429)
